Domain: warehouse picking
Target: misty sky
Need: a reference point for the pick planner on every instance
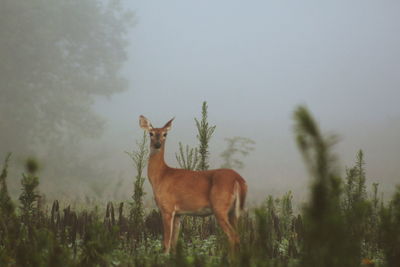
(254, 62)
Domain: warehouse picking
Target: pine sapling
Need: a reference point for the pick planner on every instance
(139, 158)
(205, 131)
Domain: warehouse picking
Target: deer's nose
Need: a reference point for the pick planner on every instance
(157, 145)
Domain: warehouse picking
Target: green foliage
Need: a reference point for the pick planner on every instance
(356, 207)
(271, 236)
(276, 237)
(337, 227)
(97, 246)
(236, 145)
(188, 158)
(371, 237)
(8, 219)
(265, 230)
(326, 241)
(139, 158)
(390, 234)
(286, 211)
(40, 248)
(29, 197)
(204, 133)
(355, 189)
(6, 206)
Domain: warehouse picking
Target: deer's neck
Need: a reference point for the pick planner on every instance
(156, 166)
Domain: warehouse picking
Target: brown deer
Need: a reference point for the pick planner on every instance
(177, 192)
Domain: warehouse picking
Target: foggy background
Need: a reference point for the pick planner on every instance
(253, 62)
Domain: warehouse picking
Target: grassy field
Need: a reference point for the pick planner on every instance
(343, 223)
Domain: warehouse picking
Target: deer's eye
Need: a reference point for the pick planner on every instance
(165, 134)
(151, 134)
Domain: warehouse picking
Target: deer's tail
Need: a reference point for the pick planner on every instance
(240, 196)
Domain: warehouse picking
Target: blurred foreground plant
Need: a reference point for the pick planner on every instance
(326, 239)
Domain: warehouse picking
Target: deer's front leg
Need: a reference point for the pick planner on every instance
(168, 222)
(175, 232)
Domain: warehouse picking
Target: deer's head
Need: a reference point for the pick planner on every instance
(157, 135)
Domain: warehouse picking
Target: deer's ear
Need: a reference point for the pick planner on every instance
(145, 123)
(168, 125)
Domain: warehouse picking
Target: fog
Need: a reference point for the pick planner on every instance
(254, 62)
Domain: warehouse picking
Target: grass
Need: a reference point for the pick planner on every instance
(341, 224)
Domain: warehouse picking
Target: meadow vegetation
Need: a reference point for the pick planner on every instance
(343, 222)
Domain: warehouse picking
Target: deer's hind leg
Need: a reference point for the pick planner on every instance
(228, 229)
(222, 199)
(233, 219)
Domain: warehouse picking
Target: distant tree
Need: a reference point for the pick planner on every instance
(205, 131)
(56, 57)
(236, 145)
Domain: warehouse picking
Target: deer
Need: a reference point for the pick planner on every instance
(178, 192)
